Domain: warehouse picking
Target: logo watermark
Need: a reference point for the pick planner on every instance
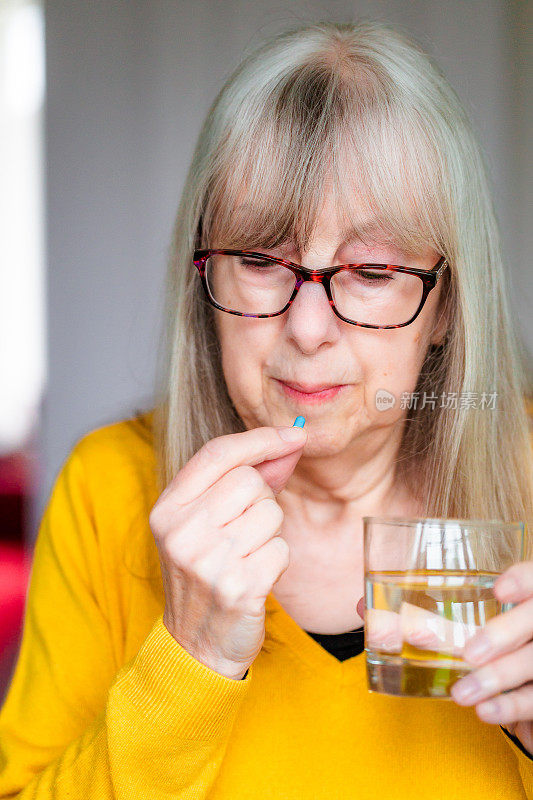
(384, 400)
(451, 400)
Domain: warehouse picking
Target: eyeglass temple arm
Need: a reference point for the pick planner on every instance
(440, 270)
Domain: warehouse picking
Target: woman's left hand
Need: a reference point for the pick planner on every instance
(501, 686)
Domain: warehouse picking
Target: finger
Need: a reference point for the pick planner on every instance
(516, 583)
(219, 455)
(501, 675)
(382, 630)
(523, 729)
(266, 565)
(236, 491)
(256, 526)
(426, 630)
(512, 707)
(360, 607)
(227, 542)
(277, 472)
(505, 632)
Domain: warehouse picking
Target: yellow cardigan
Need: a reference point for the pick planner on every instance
(104, 703)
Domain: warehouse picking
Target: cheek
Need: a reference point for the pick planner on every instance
(396, 361)
(241, 349)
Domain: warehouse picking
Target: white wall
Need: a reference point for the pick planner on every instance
(129, 83)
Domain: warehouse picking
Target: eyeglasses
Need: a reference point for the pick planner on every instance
(251, 284)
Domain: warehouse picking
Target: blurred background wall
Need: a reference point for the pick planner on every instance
(128, 83)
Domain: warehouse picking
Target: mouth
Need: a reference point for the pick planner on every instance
(307, 393)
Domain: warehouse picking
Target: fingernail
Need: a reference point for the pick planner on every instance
(299, 422)
(292, 434)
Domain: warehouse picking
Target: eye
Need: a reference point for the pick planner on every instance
(373, 275)
(256, 262)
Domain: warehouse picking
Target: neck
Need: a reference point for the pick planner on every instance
(327, 495)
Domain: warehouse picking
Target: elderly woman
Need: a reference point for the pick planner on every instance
(194, 618)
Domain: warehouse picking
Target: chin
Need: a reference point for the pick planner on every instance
(326, 440)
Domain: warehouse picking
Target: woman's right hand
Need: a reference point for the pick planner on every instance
(217, 530)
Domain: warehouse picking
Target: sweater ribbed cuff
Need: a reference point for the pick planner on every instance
(175, 690)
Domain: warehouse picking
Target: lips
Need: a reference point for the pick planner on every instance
(309, 388)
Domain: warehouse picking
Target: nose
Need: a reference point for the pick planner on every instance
(312, 291)
(311, 320)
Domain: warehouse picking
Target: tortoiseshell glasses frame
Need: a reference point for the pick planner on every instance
(429, 280)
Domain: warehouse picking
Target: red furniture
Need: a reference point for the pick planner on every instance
(15, 557)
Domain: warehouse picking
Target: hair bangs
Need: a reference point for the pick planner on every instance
(269, 186)
(317, 130)
(388, 181)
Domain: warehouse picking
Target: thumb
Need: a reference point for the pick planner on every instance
(361, 607)
(277, 471)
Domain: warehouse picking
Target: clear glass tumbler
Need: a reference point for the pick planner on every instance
(428, 588)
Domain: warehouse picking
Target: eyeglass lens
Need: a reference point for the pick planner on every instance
(252, 285)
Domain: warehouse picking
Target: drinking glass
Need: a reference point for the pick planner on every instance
(428, 588)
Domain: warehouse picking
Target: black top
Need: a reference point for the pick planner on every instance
(341, 645)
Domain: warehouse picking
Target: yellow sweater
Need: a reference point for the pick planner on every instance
(104, 703)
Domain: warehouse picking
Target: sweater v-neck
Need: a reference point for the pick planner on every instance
(304, 648)
(343, 645)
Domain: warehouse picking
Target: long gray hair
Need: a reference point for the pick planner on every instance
(363, 107)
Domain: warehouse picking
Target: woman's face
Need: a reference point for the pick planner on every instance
(310, 345)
